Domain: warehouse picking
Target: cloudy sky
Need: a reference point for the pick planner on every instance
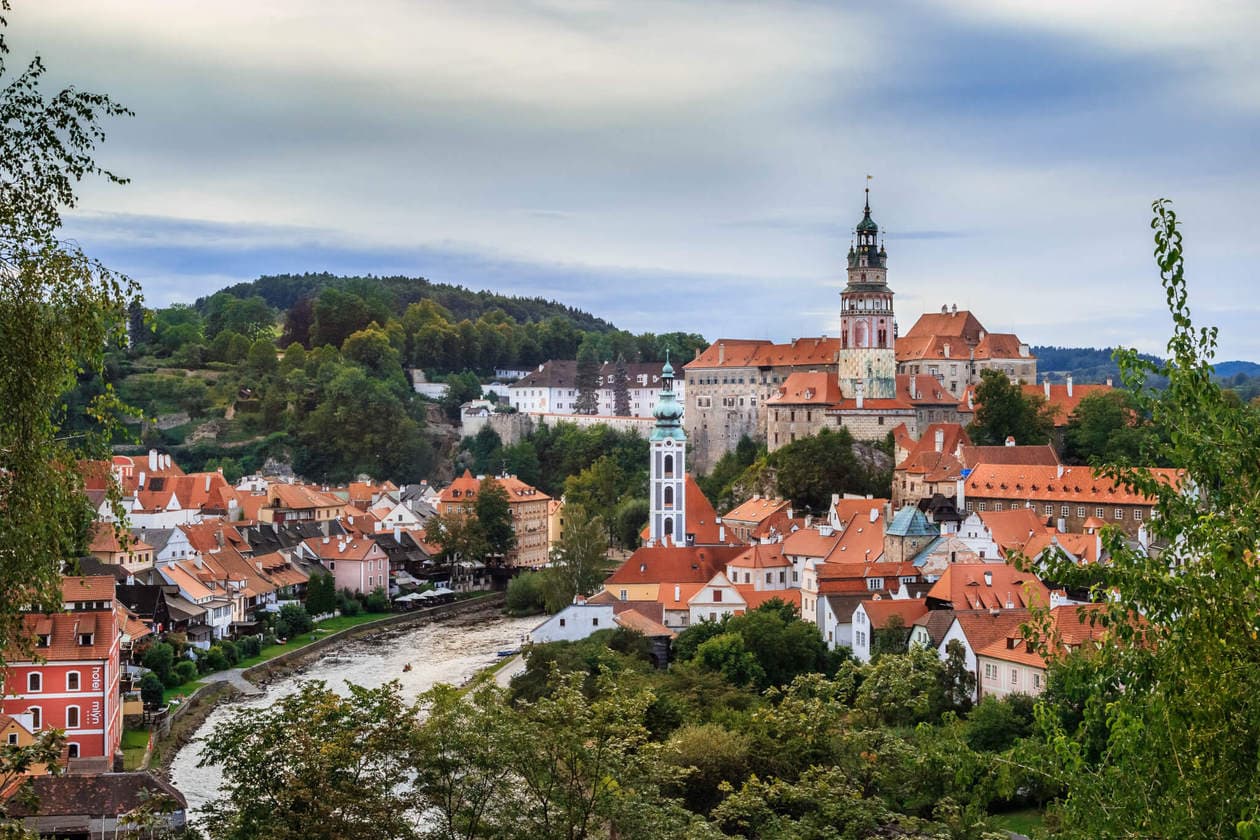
(690, 165)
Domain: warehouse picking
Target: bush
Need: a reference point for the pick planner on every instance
(297, 618)
(230, 653)
(377, 602)
(214, 660)
(525, 595)
(151, 691)
(160, 659)
(347, 604)
(250, 646)
(186, 670)
(995, 724)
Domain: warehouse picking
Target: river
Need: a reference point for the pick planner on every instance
(446, 652)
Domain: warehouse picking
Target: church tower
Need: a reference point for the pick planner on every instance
(668, 448)
(868, 332)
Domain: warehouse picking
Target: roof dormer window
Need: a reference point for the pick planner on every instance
(85, 639)
(45, 640)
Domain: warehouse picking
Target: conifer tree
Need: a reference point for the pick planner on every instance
(587, 401)
(621, 388)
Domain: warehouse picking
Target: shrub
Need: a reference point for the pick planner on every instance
(151, 691)
(215, 660)
(160, 659)
(230, 653)
(525, 594)
(298, 619)
(281, 629)
(186, 670)
(377, 602)
(347, 604)
(249, 646)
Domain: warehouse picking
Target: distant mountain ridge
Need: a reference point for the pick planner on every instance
(1228, 369)
(283, 290)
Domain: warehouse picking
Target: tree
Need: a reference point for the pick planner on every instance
(587, 401)
(152, 691)
(598, 488)
(494, 519)
(811, 469)
(460, 538)
(621, 388)
(1003, 410)
(298, 619)
(579, 561)
(60, 311)
(1184, 727)
(314, 764)
(460, 388)
(903, 689)
(1106, 428)
(893, 637)
(321, 594)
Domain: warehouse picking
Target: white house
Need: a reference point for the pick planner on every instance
(715, 600)
(574, 623)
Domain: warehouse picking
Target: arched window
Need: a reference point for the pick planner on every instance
(669, 526)
(34, 682)
(37, 717)
(72, 681)
(72, 717)
(669, 466)
(669, 497)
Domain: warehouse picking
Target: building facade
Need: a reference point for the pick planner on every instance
(667, 471)
(552, 389)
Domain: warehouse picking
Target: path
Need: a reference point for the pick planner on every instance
(504, 675)
(234, 677)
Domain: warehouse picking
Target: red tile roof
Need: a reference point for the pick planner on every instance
(467, 486)
(755, 510)
(1026, 455)
(754, 598)
(761, 556)
(983, 586)
(670, 564)
(813, 388)
(1001, 346)
(885, 608)
(727, 352)
(1042, 483)
(807, 542)
(64, 629)
(1063, 404)
(75, 588)
(1012, 529)
(1071, 624)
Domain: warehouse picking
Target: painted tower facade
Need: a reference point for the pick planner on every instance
(667, 484)
(868, 331)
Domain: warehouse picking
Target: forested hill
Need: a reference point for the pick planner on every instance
(282, 291)
(1085, 364)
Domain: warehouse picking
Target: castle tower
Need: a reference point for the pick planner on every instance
(668, 451)
(868, 332)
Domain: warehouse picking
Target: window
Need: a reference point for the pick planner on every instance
(1065, 511)
(875, 583)
(594, 622)
(1137, 516)
(72, 750)
(997, 506)
(983, 507)
(623, 595)
(1119, 514)
(72, 681)
(37, 717)
(1036, 680)
(769, 577)
(1014, 676)
(44, 640)
(34, 682)
(1100, 512)
(1080, 512)
(332, 565)
(13, 739)
(562, 622)
(72, 717)
(1049, 510)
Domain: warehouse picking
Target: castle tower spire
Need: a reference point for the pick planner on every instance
(868, 330)
(667, 470)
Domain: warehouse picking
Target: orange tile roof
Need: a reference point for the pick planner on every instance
(300, 497)
(1072, 626)
(761, 556)
(1001, 346)
(755, 510)
(808, 542)
(727, 352)
(778, 524)
(1043, 483)
(813, 388)
(1085, 547)
(754, 598)
(960, 324)
(953, 435)
(862, 541)
(926, 390)
(1063, 404)
(982, 627)
(63, 630)
(1022, 454)
(982, 586)
(467, 486)
(846, 509)
(701, 517)
(105, 540)
(670, 564)
(684, 591)
(341, 548)
(640, 623)
(885, 608)
(1011, 529)
(87, 588)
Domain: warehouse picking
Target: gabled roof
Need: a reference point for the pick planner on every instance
(341, 548)
(861, 541)
(1072, 623)
(911, 390)
(924, 455)
(879, 611)
(1073, 485)
(936, 623)
(846, 509)
(957, 324)
(985, 586)
(761, 556)
(64, 629)
(76, 589)
(820, 388)
(1001, 346)
(754, 598)
(466, 487)
(808, 542)
(1084, 547)
(982, 627)
(300, 497)
(701, 517)
(728, 352)
(755, 510)
(105, 794)
(1028, 455)
(1063, 404)
(640, 623)
(1012, 529)
(670, 564)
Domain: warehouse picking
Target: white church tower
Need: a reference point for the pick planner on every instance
(868, 330)
(668, 447)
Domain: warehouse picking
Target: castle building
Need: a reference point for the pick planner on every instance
(954, 347)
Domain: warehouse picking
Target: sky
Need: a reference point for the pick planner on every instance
(694, 165)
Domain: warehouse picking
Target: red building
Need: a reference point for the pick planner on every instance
(73, 681)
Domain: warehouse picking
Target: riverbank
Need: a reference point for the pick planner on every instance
(221, 686)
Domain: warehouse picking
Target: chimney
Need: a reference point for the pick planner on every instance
(857, 393)
(721, 352)
(944, 309)
(835, 499)
(940, 440)
(1108, 381)
(1045, 384)
(960, 495)
(207, 482)
(1059, 471)
(1010, 440)
(677, 592)
(988, 578)
(153, 460)
(875, 512)
(140, 484)
(1069, 384)
(721, 533)
(953, 309)
(697, 353)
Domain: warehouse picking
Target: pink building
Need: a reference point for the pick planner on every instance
(356, 563)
